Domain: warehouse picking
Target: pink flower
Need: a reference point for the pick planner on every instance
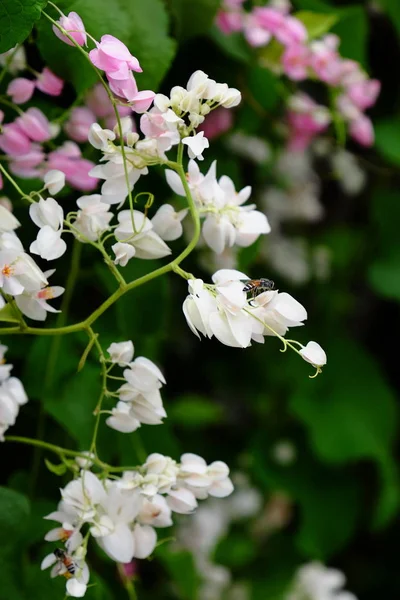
(125, 88)
(292, 31)
(295, 62)
(217, 122)
(142, 101)
(229, 22)
(78, 125)
(362, 131)
(326, 62)
(255, 33)
(113, 57)
(68, 159)
(269, 18)
(73, 24)
(305, 119)
(364, 93)
(21, 90)
(35, 125)
(25, 165)
(13, 140)
(48, 83)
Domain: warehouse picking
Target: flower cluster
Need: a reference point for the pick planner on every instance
(122, 513)
(172, 120)
(227, 222)
(25, 140)
(20, 276)
(223, 310)
(301, 59)
(139, 398)
(12, 395)
(314, 581)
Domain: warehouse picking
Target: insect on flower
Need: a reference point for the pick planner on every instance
(65, 560)
(257, 286)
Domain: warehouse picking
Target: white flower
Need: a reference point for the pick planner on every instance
(85, 463)
(12, 396)
(49, 244)
(15, 59)
(34, 304)
(19, 272)
(314, 581)
(145, 539)
(10, 241)
(155, 512)
(75, 586)
(114, 190)
(7, 220)
(54, 181)
(82, 495)
(112, 527)
(122, 419)
(314, 354)
(167, 222)
(47, 213)
(182, 501)
(121, 352)
(196, 145)
(93, 218)
(123, 253)
(137, 230)
(100, 138)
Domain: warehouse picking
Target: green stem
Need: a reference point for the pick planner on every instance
(15, 184)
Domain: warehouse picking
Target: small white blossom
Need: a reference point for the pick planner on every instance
(123, 253)
(121, 352)
(100, 138)
(167, 223)
(314, 354)
(7, 220)
(54, 181)
(93, 217)
(196, 145)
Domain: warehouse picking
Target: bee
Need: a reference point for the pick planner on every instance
(257, 286)
(67, 561)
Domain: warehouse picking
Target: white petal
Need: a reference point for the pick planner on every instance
(119, 545)
(145, 539)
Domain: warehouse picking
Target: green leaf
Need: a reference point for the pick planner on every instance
(73, 406)
(60, 469)
(392, 7)
(352, 29)
(182, 570)
(387, 139)
(14, 512)
(384, 272)
(17, 18)
(195, 411)
(193, 18)
(317, 24)
(263, 86)
(235, 551)
(351, 414)
(142, 26)
(7, 314)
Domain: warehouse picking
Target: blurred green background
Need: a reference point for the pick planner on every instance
(322, 453)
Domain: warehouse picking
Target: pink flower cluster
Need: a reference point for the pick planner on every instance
(23, 140)
(21, 89)
(305, 119)
(302, 59)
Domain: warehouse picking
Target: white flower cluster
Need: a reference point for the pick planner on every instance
(12, 395)
(122, 513)
(171, 120)
(139, 398)
(314, 581)
(223, 310)
(20, 276)
(227, 222)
